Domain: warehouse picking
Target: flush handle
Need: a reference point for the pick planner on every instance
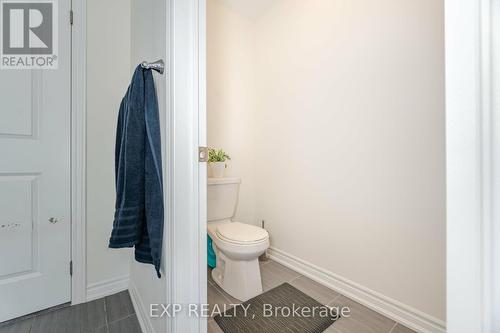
(53, 220)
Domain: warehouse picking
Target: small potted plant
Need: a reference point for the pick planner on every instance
(217, 162)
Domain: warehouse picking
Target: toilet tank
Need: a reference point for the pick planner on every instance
(222, 198)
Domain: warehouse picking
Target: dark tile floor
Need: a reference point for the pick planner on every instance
(362, 319)
(112, 314)
(115, 313)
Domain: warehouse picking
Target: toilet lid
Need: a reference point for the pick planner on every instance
(241, 233)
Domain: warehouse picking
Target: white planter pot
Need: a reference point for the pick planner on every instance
(217, 169)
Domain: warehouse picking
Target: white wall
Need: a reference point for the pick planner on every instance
(348, 137)
(231, 100)
(148, 42)
(108, 75)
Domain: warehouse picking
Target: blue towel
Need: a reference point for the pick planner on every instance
(138, 218)
(212, 259)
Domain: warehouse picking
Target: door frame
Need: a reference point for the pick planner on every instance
(78, 153)
(201, 79)
(186, 232)
(472, 147)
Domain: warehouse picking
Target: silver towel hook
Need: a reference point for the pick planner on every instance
(158, 66)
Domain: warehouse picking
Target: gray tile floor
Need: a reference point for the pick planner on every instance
(115, 314)
(362, 319)
(112, 314)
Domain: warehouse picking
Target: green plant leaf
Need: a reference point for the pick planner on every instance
(219, 155)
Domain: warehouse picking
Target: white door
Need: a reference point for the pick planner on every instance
(35, 183)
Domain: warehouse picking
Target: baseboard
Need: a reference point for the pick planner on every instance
(141, 310)
(107, 287)
(402, 313)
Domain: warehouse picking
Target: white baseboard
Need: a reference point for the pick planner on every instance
(402, 313)
(141, 310)
(107, 287)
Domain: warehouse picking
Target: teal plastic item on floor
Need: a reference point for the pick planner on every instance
(210, 253)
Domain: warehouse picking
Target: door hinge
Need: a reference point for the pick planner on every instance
(71, 268)
(202, 154)
(71, 17)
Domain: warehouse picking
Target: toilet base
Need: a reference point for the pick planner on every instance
(239, 278)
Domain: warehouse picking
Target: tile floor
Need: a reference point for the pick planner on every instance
(112, 314)
(362, 319)
(115, 314)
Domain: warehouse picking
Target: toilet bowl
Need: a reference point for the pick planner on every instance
(237, 245)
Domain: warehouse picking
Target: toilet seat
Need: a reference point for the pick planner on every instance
(241, 233)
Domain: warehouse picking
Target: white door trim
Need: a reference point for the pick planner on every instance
(202, 142)
(470, 175)
(185, 228)
(78, 153)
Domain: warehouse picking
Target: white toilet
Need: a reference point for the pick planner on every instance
(237, 245)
